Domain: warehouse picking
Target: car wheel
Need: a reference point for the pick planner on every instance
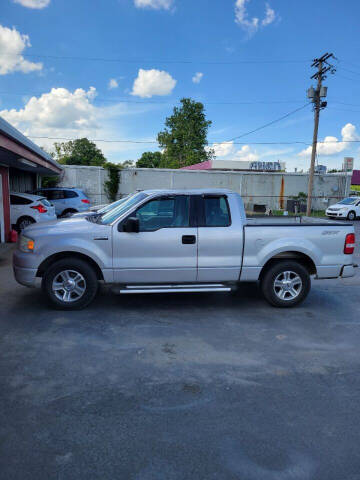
(68, 213)
(24, 222)
(351, 216)
(70, 284)
(285, 284)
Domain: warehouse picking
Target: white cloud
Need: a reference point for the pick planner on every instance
(38, 4)
(155, 4)
(153, 82)
(223, 149)
(113, 83)
(227, 149)
(12, 45)
(349, 133)
(197, 77)
(72, 114)
(332, 145)
(57, 113)
(269, 16)
(246, 154)
(251, 25)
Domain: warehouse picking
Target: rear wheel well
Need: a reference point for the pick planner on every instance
(299, 257)
(60, 256)
(23, 217)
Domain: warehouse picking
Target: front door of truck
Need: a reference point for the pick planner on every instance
(165, 248)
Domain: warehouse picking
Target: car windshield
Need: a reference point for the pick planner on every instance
(116, 212)
(109, 207)
(349, 201)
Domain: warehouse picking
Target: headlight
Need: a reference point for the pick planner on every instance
(343, 209)
(26, 244)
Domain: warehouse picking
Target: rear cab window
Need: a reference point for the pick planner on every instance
(215, 211)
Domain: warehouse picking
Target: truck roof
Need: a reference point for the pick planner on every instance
(190, 191)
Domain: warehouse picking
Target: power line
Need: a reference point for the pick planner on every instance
(128, 60)
(268, 124)
(215, 143)
(124, 100)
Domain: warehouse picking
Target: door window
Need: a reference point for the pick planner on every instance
(55, 194)
(164, 212)
(216, 212)
(70, 194)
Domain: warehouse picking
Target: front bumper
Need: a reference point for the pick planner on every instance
(336, 214)
(25, 267)
(25, 276)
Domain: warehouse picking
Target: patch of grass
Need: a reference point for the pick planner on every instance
(314, 213)
(356, 188)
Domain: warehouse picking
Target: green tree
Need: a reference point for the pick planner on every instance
(149, 160)
(185, 137)
(79, 152)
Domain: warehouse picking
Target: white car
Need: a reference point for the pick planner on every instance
(348, 208)
(26, 209)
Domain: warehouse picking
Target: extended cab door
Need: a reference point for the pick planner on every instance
(220, 238)
(165, 248)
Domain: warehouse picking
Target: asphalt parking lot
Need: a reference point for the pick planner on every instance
(180, 387)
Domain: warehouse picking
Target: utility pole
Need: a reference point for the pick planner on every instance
(323, 67)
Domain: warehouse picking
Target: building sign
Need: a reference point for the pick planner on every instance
(269, 166)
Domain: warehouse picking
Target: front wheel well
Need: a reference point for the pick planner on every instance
(60, 256)
(299, 257)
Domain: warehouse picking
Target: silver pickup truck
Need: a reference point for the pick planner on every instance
(182, 241)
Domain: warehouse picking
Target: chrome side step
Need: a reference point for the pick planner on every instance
(174, 288)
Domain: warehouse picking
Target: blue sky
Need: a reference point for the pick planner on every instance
(162, 45)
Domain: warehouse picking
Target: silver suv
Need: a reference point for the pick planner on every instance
(65, 200)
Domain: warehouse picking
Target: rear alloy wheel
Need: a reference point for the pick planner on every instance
(70, 284)
(351, 216)
(24, 222)
(286, 284)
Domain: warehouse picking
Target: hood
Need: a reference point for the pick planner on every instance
(340, 205)
(75, 226)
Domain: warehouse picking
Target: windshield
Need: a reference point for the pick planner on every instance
(114, 213)
(348, 201)
(109, 207)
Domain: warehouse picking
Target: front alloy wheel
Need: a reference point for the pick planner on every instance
(69, 286)
(70, 283)
(351, 216)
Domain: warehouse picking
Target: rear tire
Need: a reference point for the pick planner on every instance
(70, 284)
(285, 284)
(68, 213)
(24, 222)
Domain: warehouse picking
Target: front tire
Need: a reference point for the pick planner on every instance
(70, 284)
(351, 216)
(285, 284)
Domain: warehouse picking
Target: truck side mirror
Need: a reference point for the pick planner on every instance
(131, 225)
